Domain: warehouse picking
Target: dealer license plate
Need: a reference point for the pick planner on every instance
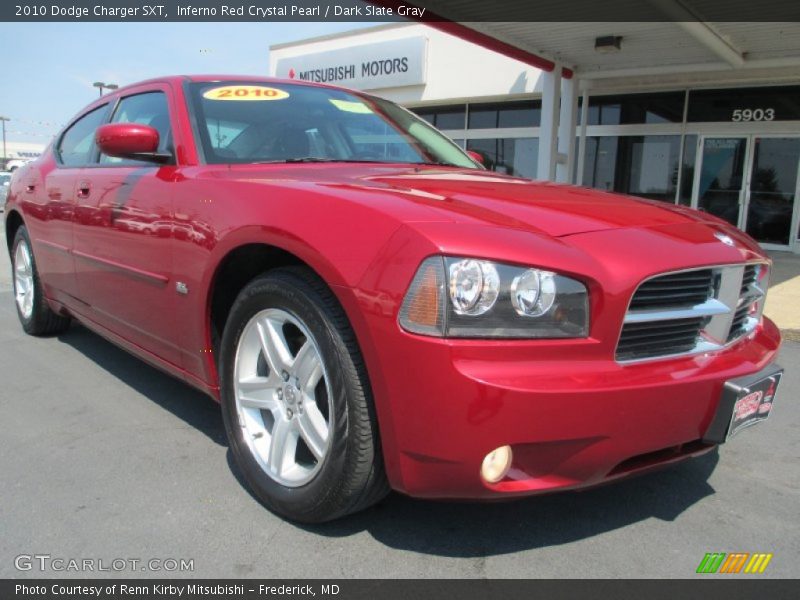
(754, 403)
(745, 401)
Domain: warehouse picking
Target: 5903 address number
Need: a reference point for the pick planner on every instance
(753, 114)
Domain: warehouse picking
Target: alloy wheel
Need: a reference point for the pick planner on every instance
(282, 393)
(23, 279)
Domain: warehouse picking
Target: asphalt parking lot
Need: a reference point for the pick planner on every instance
(103, 457)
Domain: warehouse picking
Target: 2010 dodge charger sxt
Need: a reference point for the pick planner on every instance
(374, 309)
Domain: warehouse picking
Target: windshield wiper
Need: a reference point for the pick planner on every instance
(317, 159)
(309, 159)
(438, 163)
(290, 160)
(320, 159)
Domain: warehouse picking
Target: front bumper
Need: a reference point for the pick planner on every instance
(573, 419)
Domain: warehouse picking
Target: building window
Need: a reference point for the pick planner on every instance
(505, 114)
(444, 117)
(745, 105)
(773, 184)
(636, 109)
(512, 156)
(687, 170)
(428, 115)
(645, 166)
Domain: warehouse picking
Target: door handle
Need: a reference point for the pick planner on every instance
(84, 189)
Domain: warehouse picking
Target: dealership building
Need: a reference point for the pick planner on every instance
(700, 114)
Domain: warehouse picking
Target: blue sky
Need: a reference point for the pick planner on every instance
(49, 67)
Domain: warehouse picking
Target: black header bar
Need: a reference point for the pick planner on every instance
(396, 10)
(708, 588)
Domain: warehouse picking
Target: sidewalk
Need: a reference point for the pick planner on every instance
(783, 300)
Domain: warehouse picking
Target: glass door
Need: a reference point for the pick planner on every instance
(720, 181)
(772, 190)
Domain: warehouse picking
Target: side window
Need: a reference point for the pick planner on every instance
(146, 109)
(75, 148)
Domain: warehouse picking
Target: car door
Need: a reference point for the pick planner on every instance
(50, 205)
(123, 234)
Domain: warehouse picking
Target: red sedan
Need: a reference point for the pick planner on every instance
(375, 310)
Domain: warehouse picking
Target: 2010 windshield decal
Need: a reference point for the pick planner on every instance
(245, 93)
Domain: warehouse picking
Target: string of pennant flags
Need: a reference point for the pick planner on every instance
(40, 123)
(29, 133)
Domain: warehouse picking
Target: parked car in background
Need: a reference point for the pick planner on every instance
(375, 310)
(5, 181)
(14, 164)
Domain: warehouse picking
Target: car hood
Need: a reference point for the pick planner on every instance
(471, 196)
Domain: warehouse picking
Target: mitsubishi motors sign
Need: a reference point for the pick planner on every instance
(394, 63)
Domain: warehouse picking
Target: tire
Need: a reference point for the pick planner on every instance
(33, 311)
(296, 400)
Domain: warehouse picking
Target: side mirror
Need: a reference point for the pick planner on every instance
(130, 140)
(478, 158)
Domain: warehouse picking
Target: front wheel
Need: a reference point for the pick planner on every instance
(296, 400)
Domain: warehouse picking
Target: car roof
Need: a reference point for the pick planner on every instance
(178, 80)
(201, 78)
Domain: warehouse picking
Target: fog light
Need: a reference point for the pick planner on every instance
(496, 464)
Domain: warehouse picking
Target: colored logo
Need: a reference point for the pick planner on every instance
(748, 405)
(734, 562)
(725, 239)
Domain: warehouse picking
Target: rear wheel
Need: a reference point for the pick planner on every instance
(34, 313)
(296, 400)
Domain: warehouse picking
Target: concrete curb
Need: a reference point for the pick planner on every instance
(791, 335)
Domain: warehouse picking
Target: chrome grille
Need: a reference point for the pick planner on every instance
(677, 289)
(648, 339)
(739, 322)
(696, 310)
(749, 293)
(749, 278)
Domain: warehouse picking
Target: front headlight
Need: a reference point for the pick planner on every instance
(467, 297)
(473, 285)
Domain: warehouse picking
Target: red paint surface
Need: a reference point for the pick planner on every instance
(571, 412)
(120, 139)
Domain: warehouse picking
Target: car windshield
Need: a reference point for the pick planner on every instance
(263, 123)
